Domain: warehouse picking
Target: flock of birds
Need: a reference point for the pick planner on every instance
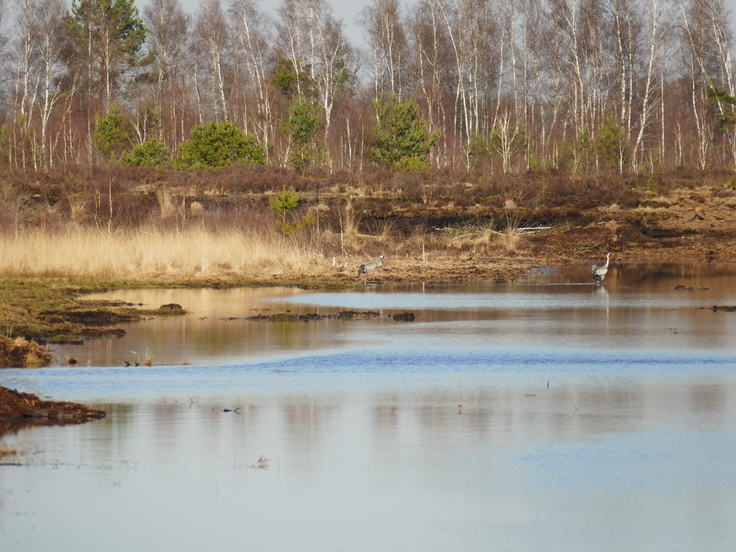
(597, 272)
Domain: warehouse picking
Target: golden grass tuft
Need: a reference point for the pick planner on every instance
(152, 253)
(8, 453)
(20, 353)
(481, 239)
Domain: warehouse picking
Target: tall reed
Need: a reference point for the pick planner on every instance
(154, 253)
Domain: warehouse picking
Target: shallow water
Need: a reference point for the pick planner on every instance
(592, 418)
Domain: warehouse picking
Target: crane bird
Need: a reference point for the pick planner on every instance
(367, 268)
(599, 272)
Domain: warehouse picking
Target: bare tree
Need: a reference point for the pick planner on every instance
(315, 43)
(624, 27)
(52, 66)
(24, 89)
(387, 40)
(577, 54)
(507, 138)
(722, 40)
(168, 37)
(252, 40)
(473, 33)
(432, 64)
(658, 40)
(211, 34)
(169, 28)
(702, 62)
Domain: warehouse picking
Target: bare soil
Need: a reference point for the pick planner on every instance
(19, 410)
(689, 225)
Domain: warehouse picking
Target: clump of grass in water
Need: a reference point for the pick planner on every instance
(10, 453)
(147, 359)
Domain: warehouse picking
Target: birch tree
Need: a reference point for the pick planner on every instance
(701, 66)
(433, 64)
(477, 52)
(211, 35)
(624, 27)
(252, 41)
(578, 62)
(24, 95)
(168, 37)
(52, 66)
(315, 43)
(387, 40)
(658, 40)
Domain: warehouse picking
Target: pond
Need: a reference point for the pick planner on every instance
(547, 413)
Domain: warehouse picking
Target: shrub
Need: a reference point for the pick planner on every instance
(282, 203)
(151, 154)
(112, 136)
(302, 127)
(611, 146)
(219, 145)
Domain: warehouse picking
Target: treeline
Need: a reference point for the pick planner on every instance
(576, 86)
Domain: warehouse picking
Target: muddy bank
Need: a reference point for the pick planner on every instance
(688, 225)
(20, 410)
(309, 317)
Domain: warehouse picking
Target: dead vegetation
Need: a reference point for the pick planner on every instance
(125, 223)
(18, 410)
(312, 316)
(23, 354)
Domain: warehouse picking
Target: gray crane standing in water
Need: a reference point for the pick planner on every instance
(367, 268)
(599, 272)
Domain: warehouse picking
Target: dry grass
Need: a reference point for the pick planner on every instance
(482, 238)
(153, 254)
(8, 454)
(21, 353)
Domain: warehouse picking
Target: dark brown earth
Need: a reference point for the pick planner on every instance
(689, 225)
(20, 410)
(307, 317)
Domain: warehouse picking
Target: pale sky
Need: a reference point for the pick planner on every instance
(348, 10)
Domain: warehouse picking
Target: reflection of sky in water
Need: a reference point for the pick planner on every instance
(591, 419)
(367, 369)
(528, 297)
(595, 461)
(637, 308)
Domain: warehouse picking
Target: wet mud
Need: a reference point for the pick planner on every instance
(21, 410)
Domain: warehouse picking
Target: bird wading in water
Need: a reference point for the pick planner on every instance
(367, 268)
(599, 272)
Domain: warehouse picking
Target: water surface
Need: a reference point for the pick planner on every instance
(543, 414)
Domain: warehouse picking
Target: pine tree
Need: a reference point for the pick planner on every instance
(401, 136)
(108, 35)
